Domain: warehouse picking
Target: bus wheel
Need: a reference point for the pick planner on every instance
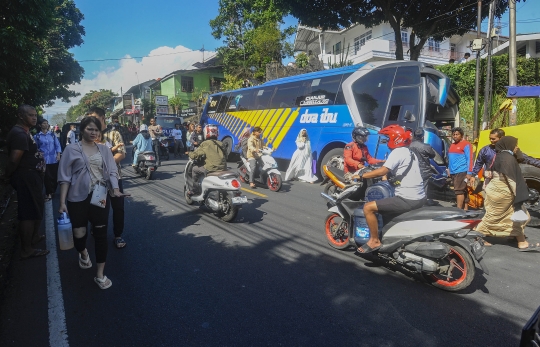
(227, 142)
(334, 158)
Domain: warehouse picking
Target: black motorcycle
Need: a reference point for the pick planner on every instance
(146, 164)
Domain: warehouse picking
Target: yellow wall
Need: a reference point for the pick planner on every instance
(528, 138)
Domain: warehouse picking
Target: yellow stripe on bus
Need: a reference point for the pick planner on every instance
(272, 122)
(228, 121)
(254, 117)
(250, 116)
(268, 118)
(278, 126)
(286, 128)
(262, 118)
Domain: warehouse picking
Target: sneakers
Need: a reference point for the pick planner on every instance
(519, 216)
(85, 264)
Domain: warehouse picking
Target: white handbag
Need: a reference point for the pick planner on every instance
(99, 195)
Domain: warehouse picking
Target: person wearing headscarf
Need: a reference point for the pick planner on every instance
(505, 194)
(301, 161)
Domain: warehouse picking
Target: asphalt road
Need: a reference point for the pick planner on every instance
(270, 278)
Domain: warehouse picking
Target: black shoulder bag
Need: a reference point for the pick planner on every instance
(396, 180)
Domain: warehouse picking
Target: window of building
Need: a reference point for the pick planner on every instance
(434, 45)
(404, 37)
(187, 84)
(337, 48)
(361, 40)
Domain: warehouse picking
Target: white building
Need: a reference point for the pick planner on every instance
(360, 44)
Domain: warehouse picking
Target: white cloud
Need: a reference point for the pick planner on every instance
(165, 61)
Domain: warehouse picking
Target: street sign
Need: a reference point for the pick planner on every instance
(188, 112)
(162, 100)
(162, 109)
(127, 100)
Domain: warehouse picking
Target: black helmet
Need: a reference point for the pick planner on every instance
(359, 132)
(419, 134)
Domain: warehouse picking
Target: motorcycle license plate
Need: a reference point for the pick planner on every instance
(239, 200)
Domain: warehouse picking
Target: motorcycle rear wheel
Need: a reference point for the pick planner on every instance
(148, 175)
(462, 275)
(338, 239)
(274, 182)
(232, 210)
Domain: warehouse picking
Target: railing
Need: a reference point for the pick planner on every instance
(430, 52)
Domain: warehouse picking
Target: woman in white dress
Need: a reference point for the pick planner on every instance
(300, 166)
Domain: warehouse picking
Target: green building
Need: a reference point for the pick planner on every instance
(189, 85)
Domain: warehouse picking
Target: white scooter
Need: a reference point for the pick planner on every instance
(268, 174)
(219, 191)
(435, 242)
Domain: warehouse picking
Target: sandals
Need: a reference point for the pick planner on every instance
(366, 249)
(85, 264)
(120, 243)
(103, 283)
(531, 247)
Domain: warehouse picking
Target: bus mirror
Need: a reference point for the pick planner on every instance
(444, 85)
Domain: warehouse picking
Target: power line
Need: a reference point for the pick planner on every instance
(146, 56)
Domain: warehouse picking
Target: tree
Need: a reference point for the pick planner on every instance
(437, 19)
(251, 34)
(176, 103)
(35, 64)
(149, 110)
(59, 118)
(100, 98)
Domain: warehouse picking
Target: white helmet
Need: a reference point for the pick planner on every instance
(143, 127)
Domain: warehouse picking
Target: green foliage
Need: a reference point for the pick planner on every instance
(252, 37)
(35, 64)
(100, 98)
(149, 110)
(231, 82)
(59, 118)
(302, 60)
(176, 103)
(463, 80)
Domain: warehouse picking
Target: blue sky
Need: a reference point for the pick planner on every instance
(119, 28)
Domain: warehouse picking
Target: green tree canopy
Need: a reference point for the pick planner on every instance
(35, 64)
(251, 34)
(100, 98)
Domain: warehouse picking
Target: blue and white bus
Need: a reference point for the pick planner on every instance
(329, 104)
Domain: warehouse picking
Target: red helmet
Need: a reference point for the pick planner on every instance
(397, 136)
(210, 131)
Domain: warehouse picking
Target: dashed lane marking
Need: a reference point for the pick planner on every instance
(254, 192)
(57, 315)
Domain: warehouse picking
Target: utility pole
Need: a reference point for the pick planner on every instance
(512, 70)
(487, 87)
(477, 79)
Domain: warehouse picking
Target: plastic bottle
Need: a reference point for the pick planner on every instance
(361, 229)
(65, 232)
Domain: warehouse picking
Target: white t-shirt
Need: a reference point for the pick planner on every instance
(412, 187)
(71, 137)
(177, 133)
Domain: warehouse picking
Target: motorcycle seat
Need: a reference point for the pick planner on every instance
(223, 174)
(340, 174)
(427, 212)
(147, 152)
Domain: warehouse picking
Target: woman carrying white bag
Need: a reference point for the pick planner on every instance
(301, 161)
(85, 171)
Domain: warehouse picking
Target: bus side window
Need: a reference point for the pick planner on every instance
(262, 97)
(340, 99)
(241, 101)
(285, 95)
(320, 91)
(407, 76)
(222, 103)
(212, 103)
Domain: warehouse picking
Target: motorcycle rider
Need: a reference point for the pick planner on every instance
(402, 163)
(356, 153)
(255, 145)
(155, 132)
(210, 154)
(424, 152)
(142, 143)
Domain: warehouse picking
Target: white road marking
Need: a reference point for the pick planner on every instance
(57, 316)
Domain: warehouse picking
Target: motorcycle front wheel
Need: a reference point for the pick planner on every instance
(230, 211)
(189, 201)
(338, 237)
(456, 271)
(274, 182)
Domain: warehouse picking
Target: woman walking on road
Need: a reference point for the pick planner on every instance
(49, 145)
(84, 166)
(190, 131)
(505, 194)
(300, 166)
